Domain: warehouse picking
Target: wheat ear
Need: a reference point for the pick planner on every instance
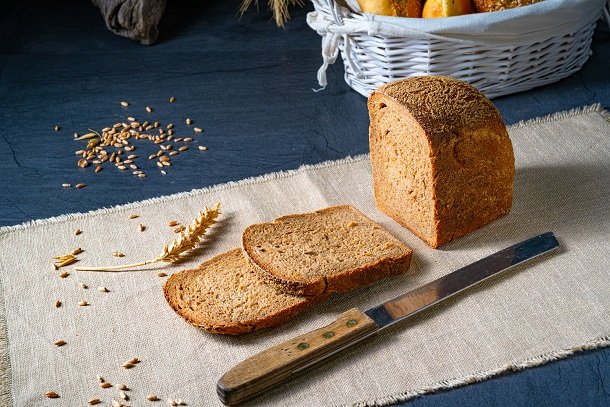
(187, 241)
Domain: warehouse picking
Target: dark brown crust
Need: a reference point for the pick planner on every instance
(237, 328)
(447, 109)
(338, 283)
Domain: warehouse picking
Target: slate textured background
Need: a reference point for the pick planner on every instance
(248, 84)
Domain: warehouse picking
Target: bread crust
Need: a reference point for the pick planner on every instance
(234, 328)
(456, 120)
(354, 278)
(483, 6)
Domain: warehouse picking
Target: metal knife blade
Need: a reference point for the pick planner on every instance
(286, 360)
(417, 300)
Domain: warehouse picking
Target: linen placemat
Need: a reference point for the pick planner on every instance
(548, 309)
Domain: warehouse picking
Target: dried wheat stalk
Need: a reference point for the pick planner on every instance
(279, 8)
(187, 241)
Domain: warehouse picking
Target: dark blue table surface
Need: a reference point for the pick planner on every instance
(248, 84)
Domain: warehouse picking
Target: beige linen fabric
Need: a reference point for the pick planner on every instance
(545, 310)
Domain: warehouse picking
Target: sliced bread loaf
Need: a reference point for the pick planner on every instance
(330, 250)
(227, 295)
(442, 159)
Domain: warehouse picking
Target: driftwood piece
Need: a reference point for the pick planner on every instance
(135, 19)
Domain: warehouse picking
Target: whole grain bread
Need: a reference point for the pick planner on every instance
(330, 250)
(225, 294)
(496, 5)
(441, 157)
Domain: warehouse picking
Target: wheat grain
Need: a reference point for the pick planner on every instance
(51, 395)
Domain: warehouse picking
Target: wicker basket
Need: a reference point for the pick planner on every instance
(499, 53)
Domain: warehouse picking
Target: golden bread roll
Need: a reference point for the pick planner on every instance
(447, 8)
(398, 8)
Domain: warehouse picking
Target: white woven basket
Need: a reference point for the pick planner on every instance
(499, 53)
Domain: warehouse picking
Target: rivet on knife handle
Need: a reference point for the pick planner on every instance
(278, 363)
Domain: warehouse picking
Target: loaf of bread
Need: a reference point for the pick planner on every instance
(441, 157)
(398, 8)
(330, 250)
(495, 5)
(227, 295)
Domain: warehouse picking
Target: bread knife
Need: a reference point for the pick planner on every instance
(285, 360)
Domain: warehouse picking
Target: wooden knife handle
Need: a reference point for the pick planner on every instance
(285, 360)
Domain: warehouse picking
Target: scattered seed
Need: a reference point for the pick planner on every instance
(172, 99)
(82, 163)
(118, 254)
(172, 402)
(66, 262)
(105, 385)
(179, 229)
(115, 404)
(172, 223)
(133, 360)
(57, 304)
(103, 289)
(148, 109)
(188, 139)
(128, 365)
(183, 148)
(166, 163)
(83, 303)
(121, 167)
(124, 104)
(64, 274)
(122, 387)
(79, 186)
(52, 395)
(142, 227)
(152, 397)
(131, 119)
(141, 175)
(132, 156)
(133, 216)
(123, 395)
(188, 121)
(83, 286)
(197, 129)
(59, 342)
(66, 185)
(76, 251)
(202, 148)
(94, 401)
(152, 156)
(98, 168)
(163, 172)
(180, 402)
(100, 379)
(56, 127)
(172, 153)
(77, 232)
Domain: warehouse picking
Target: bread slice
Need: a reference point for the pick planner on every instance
(226, 295)
(330, 250)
